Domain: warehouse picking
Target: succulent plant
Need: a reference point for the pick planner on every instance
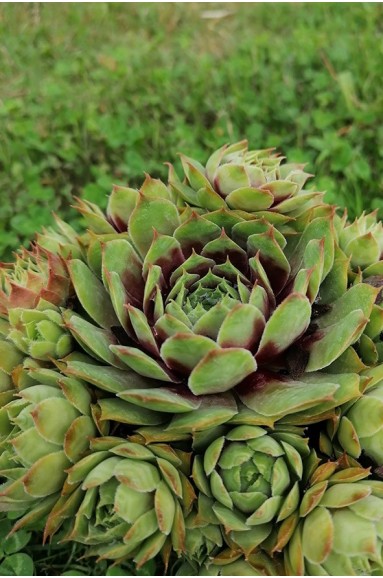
(44, 432)
(36, 276)
(362, 241)
(161, 375)
(358, 427)
(249, 481)
(194, 304)
(339, 527)
(126, 500)
(39, 333)
(245, 181)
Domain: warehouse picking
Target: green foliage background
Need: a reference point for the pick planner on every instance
(92, 94)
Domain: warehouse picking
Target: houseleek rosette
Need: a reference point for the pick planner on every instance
(361, 251)
(40, 332)
(249, 481)
(126, 500)
(358, 427)
(203, 321)
(45, 431)
(193, 305)
(255, 182)
(339, 528)
(36, 275)
(362, 240)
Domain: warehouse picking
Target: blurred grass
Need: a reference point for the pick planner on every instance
(92, 94)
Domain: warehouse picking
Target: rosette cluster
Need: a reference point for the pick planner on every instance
(198, 377)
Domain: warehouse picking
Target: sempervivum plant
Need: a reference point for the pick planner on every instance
(245, 181)
(126, 500)
(249, 481)
(339, 527)
(360, 252)
(194, 305)
(171, 378)
(43, 432)
(358, 427)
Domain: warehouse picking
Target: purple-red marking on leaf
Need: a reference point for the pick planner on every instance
(257, 381)
(376, 281)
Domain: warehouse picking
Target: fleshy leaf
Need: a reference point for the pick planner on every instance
(94, 340)
(103, 376)
(326, 345)
(318, 535)
(118, 256)
(92, 294)
(149, 213)
(121, 411)
(121, 203)
(169, 400)
(242, 327)
(220, 370)
(275, 395)
(361, 296)
(47, 475)
(250, 199)
(293, 314)
(141, 362)
(184, 351)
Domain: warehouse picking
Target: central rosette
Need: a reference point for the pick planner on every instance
(206, 301)
(208, 292)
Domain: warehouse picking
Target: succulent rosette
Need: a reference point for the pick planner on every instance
(244, 181)
(362, 241)
(39, 333)
(126, 500)
(358, 427)
(249, 481)
(37, 275)
(193, 306)
(339, 528)
(44, 431)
